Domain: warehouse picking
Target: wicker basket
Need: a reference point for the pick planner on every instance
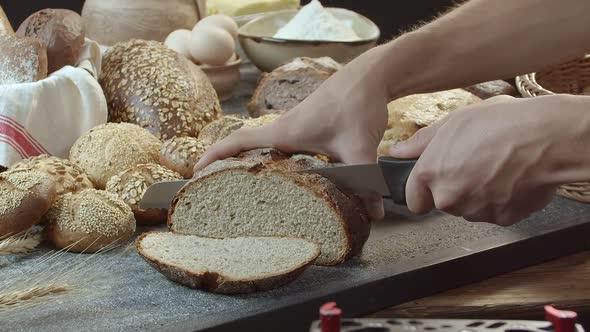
(570, 78)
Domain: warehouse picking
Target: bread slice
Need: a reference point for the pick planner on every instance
(22, 59)
(231, 265)
(257, 194)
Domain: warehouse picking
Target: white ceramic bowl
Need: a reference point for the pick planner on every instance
(267, 53)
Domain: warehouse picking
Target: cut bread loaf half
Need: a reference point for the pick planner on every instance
(257, 194)
(229, 266)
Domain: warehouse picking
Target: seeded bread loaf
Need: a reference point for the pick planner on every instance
(22, 60)
(67, 176)
(257, 194)
(5, 26)
(180, 154)
(61, 30)
(131, 184)
(220, 128)
(229, 266)
(491, 89)
(88, 221)
(408, 114)
(25, 196)
(285, 87)
(112, 148)
(150, 85)
(223, 127)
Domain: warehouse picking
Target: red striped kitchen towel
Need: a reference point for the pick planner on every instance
(46, 117)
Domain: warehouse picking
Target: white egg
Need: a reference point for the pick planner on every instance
(221, 21)
(180, 42)
(211, 45)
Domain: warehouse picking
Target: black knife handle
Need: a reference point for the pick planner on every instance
(396, 173)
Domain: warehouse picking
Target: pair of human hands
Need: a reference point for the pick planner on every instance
(496, 161)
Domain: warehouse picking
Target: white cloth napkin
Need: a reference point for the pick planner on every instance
(48, 116)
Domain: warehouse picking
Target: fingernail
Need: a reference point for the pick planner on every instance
(397, 147)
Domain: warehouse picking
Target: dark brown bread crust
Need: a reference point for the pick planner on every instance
(352, 214)
(280, 91)
(61, 30)
(491, 89)
(218, 283)
(5, 26)
(33, 206)
(150, 85)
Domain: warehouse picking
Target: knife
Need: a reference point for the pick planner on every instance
(387, 178)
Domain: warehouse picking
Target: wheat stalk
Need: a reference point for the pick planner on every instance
(32, 295)
(19, 244)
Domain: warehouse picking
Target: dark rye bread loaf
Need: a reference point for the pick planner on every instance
(285, 87)
(150, 85)
(5, 26)
(61, 30)
(22, 60)
(257, 194)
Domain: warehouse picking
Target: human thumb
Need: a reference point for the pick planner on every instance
(415, 145)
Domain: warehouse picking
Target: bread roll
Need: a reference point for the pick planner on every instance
(131, 184)
(150, 85)
(88, 221)
(287, 86)
(491, 89)
(220, 128)
(22, 60)
(408, 114)
(5, 26)
(68, 177)
(25, 196)
(180, 154)
(111, 148)
(61, 30)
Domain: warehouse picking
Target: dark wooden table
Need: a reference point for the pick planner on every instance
(521, 294)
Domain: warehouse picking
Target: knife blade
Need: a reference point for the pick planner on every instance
(387, 177)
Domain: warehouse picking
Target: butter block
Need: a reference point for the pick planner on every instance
(247, 7)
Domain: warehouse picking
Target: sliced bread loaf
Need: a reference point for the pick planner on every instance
(230, 266)
(256, 194)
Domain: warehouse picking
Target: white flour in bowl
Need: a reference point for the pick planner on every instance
(314, 22)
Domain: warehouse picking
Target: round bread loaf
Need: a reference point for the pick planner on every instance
(89, 220)
(180, 154)
(25, 196)
(68, 176)
(111, 148)
(131, 184)
(61, 30)
(287, 86)
(220, 128)
(224, 126)
(150, 85)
